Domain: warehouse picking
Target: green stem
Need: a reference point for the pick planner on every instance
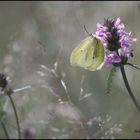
(5, 130)
(16, 116)
(133, 66)
(128, 87)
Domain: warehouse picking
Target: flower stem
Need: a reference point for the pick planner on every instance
(16, 116)
(5, 130)
(133, 66)
(128, 87)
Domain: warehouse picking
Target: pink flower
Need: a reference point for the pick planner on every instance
(118, 42)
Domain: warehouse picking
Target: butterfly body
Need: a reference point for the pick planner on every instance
(89, 54)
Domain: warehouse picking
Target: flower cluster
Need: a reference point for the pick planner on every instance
(3, 81)
(117, 42)
(29, 133)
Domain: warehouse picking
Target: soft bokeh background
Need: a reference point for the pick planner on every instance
(36, 40)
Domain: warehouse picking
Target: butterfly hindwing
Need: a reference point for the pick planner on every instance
(100, 58)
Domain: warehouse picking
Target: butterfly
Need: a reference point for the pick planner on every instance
(89, 54)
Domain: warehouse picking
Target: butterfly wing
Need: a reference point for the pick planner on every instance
(100, 58)
(89, 54)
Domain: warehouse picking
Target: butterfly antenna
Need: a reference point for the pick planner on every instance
(90, 34)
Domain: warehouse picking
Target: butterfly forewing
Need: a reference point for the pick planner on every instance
(80, 55)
